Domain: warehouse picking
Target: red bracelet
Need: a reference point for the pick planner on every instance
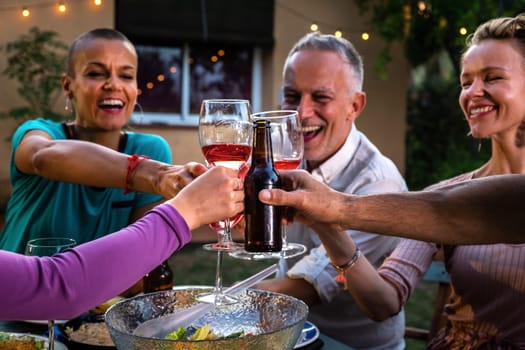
(133, 162)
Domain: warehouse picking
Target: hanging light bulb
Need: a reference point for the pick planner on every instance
(97, 2)
(25, 12)
(314, 27)
(61, 7)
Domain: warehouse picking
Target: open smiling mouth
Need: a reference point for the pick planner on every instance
(309, 132)
(111, 104)
(475, 112)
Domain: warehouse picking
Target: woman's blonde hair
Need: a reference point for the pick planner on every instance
(500, 28)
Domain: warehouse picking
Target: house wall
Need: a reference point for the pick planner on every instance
(383, 119)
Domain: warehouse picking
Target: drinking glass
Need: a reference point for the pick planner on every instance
(288, 149)
(225, 136)
(49, 246)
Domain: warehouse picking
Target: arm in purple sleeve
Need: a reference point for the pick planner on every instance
(68, 284)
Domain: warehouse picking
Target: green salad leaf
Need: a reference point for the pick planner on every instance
(179, 334)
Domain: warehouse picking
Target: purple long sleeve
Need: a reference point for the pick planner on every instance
(68, 284)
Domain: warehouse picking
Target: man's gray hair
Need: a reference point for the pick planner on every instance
(328, 42)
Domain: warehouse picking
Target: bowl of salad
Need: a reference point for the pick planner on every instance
(258, 320)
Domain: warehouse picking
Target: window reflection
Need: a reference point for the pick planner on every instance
(219, 73)
(208, 72)
(160, 78)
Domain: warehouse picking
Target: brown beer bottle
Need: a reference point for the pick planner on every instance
(263, 222)
(161, 278)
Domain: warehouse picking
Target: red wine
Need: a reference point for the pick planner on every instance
(233, 156)
(287, 164)
(227, 154)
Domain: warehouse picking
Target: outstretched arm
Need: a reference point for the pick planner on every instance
(480, 211)
(69, 283)
(91, 164)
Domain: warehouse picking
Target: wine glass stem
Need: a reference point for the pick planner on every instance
(281, 272)
(283, 234)
(227, 233)
(218, 277)
(51, 329)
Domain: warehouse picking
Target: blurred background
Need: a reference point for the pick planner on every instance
(195, 49)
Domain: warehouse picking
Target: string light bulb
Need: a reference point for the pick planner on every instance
(338, 33)
(97, 2)
(61, 7)
(421, 6)
(314, 27)
(365, 36)
(25, 12)
(463, 31)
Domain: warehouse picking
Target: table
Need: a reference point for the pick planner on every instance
(40, 329)
(332, 344)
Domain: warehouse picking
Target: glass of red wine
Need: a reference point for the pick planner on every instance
(288, 149)
(225, 136)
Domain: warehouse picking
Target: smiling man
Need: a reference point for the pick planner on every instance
(322, 80)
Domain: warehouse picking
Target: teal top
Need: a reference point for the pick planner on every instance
(40, 207)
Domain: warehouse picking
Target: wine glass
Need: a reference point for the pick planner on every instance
(225, 136)
(288, 148)
(49, 246)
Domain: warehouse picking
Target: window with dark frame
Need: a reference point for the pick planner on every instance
(190, 50)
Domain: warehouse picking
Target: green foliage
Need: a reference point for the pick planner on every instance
(429, 30)
(438, 146)
(36, 61)
(437, 143)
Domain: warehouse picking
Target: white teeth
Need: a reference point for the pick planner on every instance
(306, 129)
(112, 102)
(481, 110)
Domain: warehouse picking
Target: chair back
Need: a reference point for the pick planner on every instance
(436, 273)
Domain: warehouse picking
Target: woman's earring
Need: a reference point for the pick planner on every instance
(140, 119)
(480, 141)
(69, 106)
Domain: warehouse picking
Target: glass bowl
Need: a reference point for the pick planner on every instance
(274, 320)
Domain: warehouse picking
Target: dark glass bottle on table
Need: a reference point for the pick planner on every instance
(161, 278)
(263, 222)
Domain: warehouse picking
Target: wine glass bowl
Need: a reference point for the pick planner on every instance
(287, 137)
(49, 246)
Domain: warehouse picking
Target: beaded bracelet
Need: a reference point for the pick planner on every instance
(133, 162)
(341, 269)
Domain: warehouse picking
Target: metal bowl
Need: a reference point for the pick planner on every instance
(276, 320)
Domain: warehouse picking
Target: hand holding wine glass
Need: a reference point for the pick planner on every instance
(49, 246)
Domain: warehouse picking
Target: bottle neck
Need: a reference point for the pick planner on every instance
(262, 143)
